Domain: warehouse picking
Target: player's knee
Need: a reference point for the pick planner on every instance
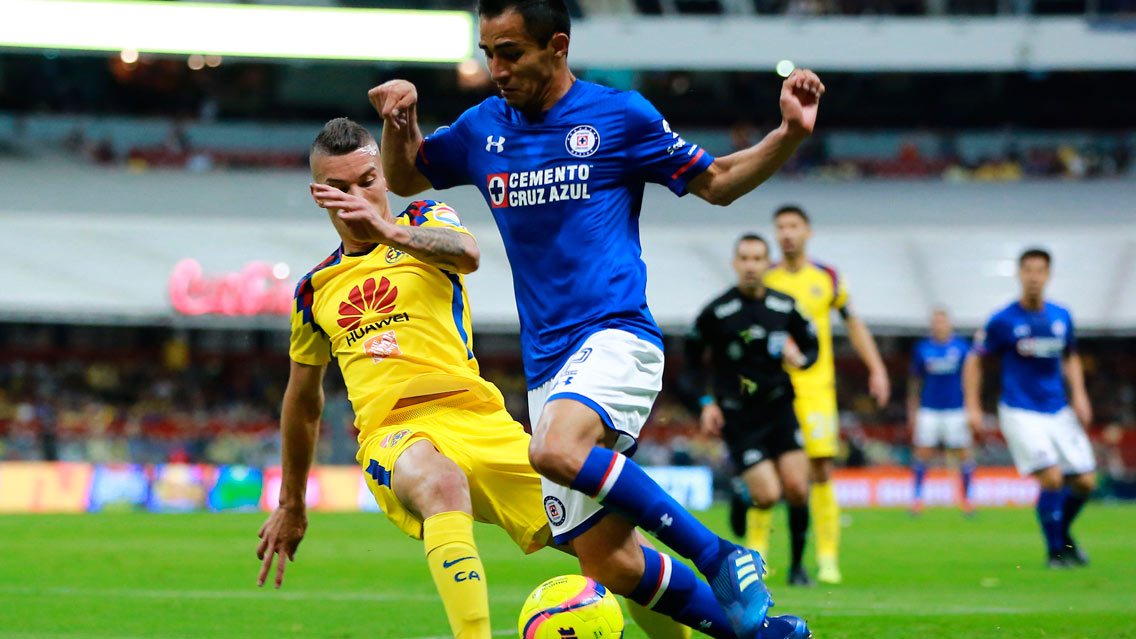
(796, 491)
(1050, 478)
(1084, 484)
(443, 491)
(553, 460)
(766, 498)
(820, 471)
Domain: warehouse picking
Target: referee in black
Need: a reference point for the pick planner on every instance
(751, 332)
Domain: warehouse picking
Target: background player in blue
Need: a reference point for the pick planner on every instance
(934, 404)
(1035, 341)
(562, 163)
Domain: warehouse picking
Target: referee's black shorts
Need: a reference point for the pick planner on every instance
(762, 432)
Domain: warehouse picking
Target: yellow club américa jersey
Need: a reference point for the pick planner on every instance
(397, 326)
(819, 290)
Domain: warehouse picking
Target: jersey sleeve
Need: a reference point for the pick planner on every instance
(656, 153)
(433, 214)
(308, 343)
(840, 300)
(1070, 335)
(991, 339)
(443, 156)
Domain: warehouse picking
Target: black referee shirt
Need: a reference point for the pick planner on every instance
(745, 337)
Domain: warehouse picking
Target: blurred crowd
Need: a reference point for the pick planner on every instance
(154, 395)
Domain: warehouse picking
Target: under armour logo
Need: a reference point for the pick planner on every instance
(497, 146)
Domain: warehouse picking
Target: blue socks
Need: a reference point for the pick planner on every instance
(1069, 511)
(671, 588)
(1050, 507)
(967, 472)
(920, 470)
(621, 486)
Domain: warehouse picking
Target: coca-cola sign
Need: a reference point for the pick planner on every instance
(260, 288)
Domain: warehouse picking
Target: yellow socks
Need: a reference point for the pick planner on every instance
(655, 624)
(458, 573)
(758, 523)
(826, 522)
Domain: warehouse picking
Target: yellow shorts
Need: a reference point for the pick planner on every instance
(485, 442)
(816, 411)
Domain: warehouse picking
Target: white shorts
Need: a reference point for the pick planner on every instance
(617, 375)
(1040, 440)
(946, 427)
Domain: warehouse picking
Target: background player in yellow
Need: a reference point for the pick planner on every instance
(438, 448)
(819, 289)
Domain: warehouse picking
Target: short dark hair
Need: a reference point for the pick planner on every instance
(1035, 252)
(750, 237)
(543, 18)
(341, 136)
(792, 209)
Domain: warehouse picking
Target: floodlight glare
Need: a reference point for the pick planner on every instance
(237, 30)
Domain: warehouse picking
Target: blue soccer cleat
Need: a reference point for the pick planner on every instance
(738, 587)
(785, 627)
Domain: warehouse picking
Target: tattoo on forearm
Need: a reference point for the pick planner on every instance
(441, 247)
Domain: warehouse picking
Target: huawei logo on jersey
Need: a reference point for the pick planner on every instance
(371, 297)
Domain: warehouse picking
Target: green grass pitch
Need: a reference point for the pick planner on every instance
(135, 576)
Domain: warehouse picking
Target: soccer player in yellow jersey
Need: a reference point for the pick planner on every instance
(818, 289)
(436, 444)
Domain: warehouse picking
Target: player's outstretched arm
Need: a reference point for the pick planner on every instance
(972, 390)
(734, 175)
(446, 249)
(879, 386)
(397, 102)
(299, 429)
(1075, 375)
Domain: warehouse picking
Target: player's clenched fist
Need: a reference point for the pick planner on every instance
(358, 219)
(800, 96)
(395, 101)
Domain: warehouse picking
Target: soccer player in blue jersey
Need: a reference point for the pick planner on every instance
(1035, 341)
(562, 164)
(934, 404)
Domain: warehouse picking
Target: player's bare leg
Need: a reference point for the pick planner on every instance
(567, 448)
(826, 518)
(764, 489)
(922, 455)
(435, 489)
(655, 624)
(963, 458)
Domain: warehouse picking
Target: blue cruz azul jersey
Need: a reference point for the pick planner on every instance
(565, 190)
(1031, 345)
(939, 365)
